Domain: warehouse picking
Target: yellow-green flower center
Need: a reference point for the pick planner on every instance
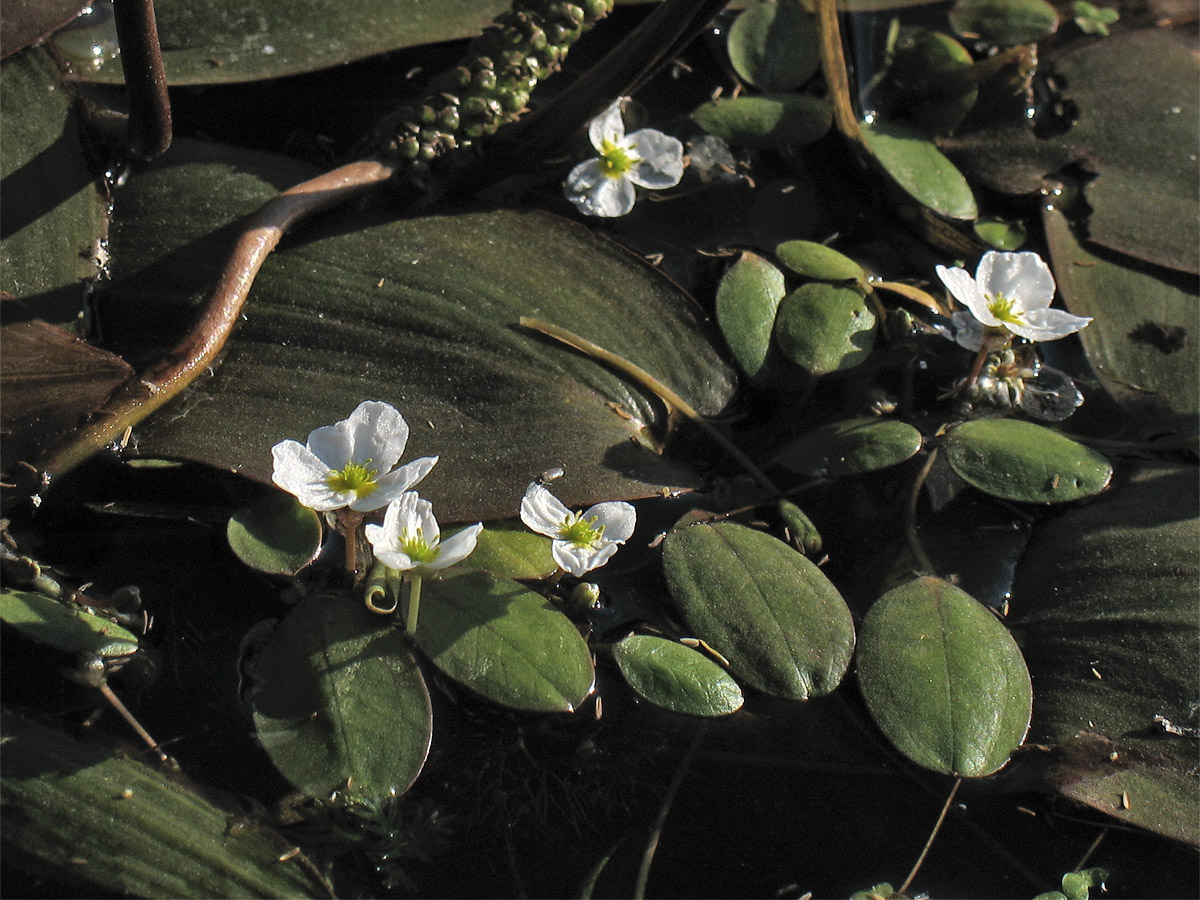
(417, 549)
(357, 478)
(580, 531)
(1002, 308)
(616, 158)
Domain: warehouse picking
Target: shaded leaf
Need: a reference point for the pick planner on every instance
(25, 21)
(825, 327)
(504, 642)
(54, 214)
(275, 534)
(1105, 605)
(94, 815)
(931, 75)
(1004, 22)
(422, 313)
(801, 529)
(851, 447)
(1025, 462)
(774, 615)
(943, 679)
(916, 164)
(676, 677)
(774, 45)
(1145, 352)
(340, 701)
(766, 120)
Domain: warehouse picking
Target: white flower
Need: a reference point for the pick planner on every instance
(582, 541)
(409, 537)
(646, 158)
(351, 463)
(1011, 292)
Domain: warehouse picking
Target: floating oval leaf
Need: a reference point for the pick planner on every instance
(1001, 234)
(825, 327)
(803, 532)
(851, 447)
(813, 260)
(943, 679)
(767, 120)
(1004, 22)
(510, 550)
(1025, 462)
(774, 45)
(773, 614)
(91, 813)
(275, 534)
(676, 677)
(747, 299)
(422, 313)
(1104, 603)
(340, 701)
(933, 75)
(504, 642)
(920, 168)
(65, 626)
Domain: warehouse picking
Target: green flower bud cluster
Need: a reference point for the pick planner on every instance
(491, 86)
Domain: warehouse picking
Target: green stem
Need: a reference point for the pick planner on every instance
(910, 517)
(647, 381)
(414, 605)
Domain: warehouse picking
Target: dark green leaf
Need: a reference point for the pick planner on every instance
(920, 168)
(813, 260)
(510, 550)
(65, 626)
(1147, 352)
(340, 701)
(422, 313)
(1004, 22)
(825, 327)
(773, 614)
(1105, 605)
(934, 79)
(766, 120)
(504, 642)
(676, 677)
(54, 215)
(1025, 462)
(774, 45)
(851, 447)
(275, 534)
(95, 816)
(943, 679)
(801, 528)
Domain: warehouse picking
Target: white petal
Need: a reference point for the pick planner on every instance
(968, 331)
(579, 560)
(1049, 325)
(617, 517)
(456, 548)
(607, 126)
(299, 472)
(661, 164)
(596, 194)
(1022, 277)
(542, 512)
(395, 484)
(967, 291)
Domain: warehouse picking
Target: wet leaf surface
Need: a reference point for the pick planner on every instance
(943, 679)
(1105, 606)
(778, 620)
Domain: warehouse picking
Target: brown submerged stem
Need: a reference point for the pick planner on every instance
(149, 131)
(167, 378)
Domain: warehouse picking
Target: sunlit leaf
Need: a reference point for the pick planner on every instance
(747, 299)
(774, 615)
(813, 260)
(65, 626)
(510, 550)
(340, 704)
(96, 816)
(504, 642)
(943, 679)
(920, 168)
(1025, 462)
(774, 45)
(676, 677)
(825, 327)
